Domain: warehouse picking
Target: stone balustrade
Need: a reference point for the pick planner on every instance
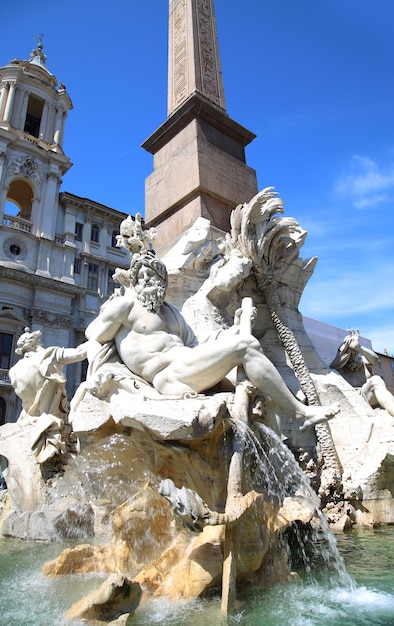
(4, 376)
(18, 223)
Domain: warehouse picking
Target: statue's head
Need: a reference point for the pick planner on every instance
(149, 278)
(346, 355)
(29, 341)
(147, 260)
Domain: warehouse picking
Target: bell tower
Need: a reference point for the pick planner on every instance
(33, 111)
(199, 164)
(57, 250)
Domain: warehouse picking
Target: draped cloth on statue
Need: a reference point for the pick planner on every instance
(48, 411)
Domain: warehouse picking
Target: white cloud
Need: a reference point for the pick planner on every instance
(366, 183)
(350, 293)
(370, 201)
(355, 299)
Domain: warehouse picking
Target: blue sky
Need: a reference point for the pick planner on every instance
(313, 80)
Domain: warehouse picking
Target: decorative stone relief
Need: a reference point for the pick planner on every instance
(208, 60)
(26, 166)
(47, 318)
(180, 53)
(54, 176)
(198, 49)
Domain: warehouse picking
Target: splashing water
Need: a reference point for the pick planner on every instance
(28, 598)
(274, 470)
(329, 596)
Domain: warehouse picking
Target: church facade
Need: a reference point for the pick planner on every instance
(57, 250)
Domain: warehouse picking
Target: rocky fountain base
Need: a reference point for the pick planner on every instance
(110, 493)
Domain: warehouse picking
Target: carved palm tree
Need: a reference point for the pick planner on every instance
(272, 243)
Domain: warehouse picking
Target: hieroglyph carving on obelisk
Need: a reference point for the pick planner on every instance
(194, 61)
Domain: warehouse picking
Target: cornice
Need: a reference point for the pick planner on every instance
(18, 140)
(40, 281)
(197, 107)
(86, 204)
(90, 256)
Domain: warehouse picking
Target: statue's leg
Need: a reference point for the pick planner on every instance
(200, 368)
(197, 369)
(264, 375)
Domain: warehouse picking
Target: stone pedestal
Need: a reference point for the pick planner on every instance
(199, 170)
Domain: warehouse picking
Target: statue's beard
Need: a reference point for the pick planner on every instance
(151, 296)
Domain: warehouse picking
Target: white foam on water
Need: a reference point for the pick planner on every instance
(367, 599)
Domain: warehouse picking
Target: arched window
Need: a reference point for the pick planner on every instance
(95, 233)
(20, 196)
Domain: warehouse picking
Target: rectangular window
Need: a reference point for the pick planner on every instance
(114, 240)
(78, 231)
(110, 282)
(33, 116)
(77, 265)
(94, 236)
(5, 350)
(93, 277)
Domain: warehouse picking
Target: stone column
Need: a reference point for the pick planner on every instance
(3, 191)
(23, 110)
(69, 225)
(50, 201)
(68, 263)
(51, 122)
(87, 232)
(3, 97)
(61, 138)
(35, 216)
(43, 125)
(44, 259)
(9, 103)
(58, 135)
(103, 239)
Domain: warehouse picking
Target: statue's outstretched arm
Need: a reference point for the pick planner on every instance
(73, 355)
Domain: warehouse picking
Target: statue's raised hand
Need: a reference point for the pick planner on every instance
(251, 312)
(354, 342)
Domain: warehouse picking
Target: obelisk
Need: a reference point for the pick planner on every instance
(199, 165)
(193, 54)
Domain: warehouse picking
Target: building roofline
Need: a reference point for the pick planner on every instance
(67, 196)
